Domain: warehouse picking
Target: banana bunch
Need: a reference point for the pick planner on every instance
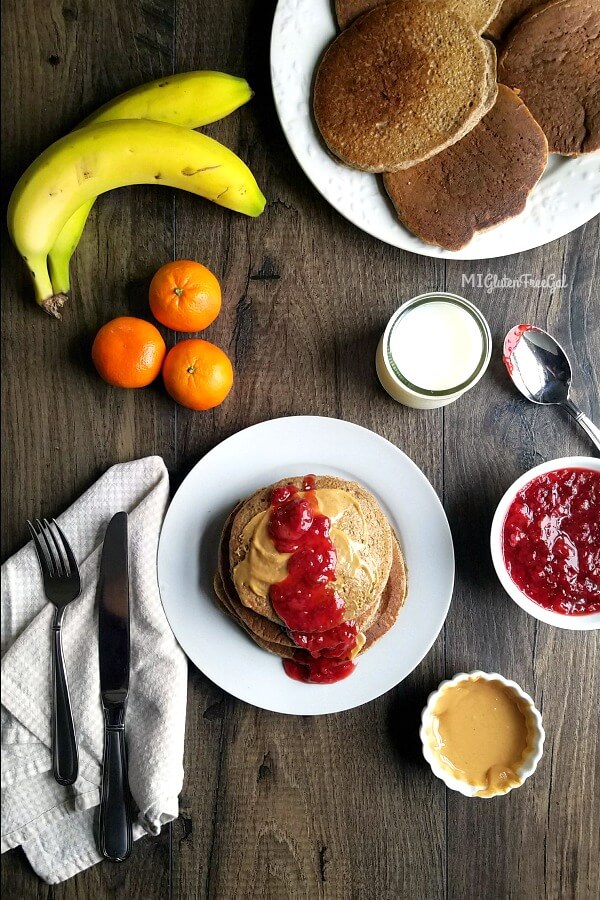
(142, 137)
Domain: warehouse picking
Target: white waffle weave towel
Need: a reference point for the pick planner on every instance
(56, 825)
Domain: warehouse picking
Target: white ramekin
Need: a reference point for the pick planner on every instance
(573, 623)
(536, 734)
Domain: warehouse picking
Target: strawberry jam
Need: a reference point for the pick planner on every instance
(317, 671)
(510, 343)
(551, 541)
(305, 600)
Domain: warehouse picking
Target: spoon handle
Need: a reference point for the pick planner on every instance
(588, 426)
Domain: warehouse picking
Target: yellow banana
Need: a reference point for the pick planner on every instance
(98, 158)
(190, 99)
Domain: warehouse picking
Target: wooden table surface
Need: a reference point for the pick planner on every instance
(272, 806)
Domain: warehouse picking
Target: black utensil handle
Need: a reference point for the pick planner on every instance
(65, 759)
(115, 812)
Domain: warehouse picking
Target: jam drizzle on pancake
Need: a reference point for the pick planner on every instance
(310, 607)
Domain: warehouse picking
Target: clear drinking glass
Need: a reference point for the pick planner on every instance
(476, 332)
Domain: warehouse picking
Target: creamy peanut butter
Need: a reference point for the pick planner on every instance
(263, 566)
(480, 734)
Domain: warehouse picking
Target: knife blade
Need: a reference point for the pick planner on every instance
(115, 835)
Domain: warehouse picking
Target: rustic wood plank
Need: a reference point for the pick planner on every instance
(63, 427)
(541, 840)
(276, 806)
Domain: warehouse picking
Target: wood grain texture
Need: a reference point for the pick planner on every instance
(542, 840)
(337, 807)
(62, 427)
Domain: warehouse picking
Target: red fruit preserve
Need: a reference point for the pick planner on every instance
(551, 541)
(305, 600)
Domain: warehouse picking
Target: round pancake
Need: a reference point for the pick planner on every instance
(552, 59)
(403, 82)
(257, 625)
(346, 11)
(360, 596)
(478, 182)
(508, 15)
(223, 602)
(392, 600)
(478, 12)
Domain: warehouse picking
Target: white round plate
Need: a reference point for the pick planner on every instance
(258, 456)
(567, 196)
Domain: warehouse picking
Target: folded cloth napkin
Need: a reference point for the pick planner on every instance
(56, 825)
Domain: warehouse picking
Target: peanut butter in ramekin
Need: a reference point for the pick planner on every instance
(481, 733)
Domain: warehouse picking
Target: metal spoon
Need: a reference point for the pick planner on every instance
(540, 369)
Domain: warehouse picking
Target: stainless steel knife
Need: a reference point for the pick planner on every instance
(113, 645)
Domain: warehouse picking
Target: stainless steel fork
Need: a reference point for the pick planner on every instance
(61, 585)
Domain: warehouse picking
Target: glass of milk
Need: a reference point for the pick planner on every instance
(435, 348)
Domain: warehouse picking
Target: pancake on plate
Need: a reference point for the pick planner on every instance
(346, 11)
(478, 12)
(552, 59)
(508, 15)
(402, 83)
(476, 183)
(370, 574)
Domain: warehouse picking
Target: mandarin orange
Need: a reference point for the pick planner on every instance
(128, 352)
(185, 296)
(197, 374)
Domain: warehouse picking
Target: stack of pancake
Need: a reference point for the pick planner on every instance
(409, 89)
(370, 570)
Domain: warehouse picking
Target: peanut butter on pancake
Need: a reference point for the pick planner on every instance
(273, 638)
(338, 496)
(478, 182)
(552, 59)
(478, 12)
(360, 532)
(401, 83)
(267, 629)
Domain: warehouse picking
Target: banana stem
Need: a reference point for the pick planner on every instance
(59, 273)
(65, 245)
(45, 295)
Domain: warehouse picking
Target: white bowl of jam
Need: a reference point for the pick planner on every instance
(545, 542)
(481, 734)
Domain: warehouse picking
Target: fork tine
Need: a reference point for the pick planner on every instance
(54, 564)
(45, 563)
(67, 547)
(63, 568)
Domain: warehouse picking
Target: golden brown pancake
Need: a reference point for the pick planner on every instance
(269, 632)
(265, 629)
(392, 600)
(552, 59)
(478, 182)
(363, 523)
(268, 629)
(478, 12)
(508, 15)
(400, 84)
(346, 11)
